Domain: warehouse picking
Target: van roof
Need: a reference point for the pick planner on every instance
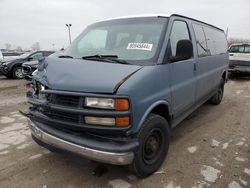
(162, 15)
(237, 44)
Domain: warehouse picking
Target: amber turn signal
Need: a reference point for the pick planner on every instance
(121, 104)
(122, 121)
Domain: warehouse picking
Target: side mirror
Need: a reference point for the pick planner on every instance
(184, 51)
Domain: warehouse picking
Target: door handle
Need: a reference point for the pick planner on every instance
(231, 54)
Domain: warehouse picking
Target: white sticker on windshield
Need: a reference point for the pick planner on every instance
(140, 46)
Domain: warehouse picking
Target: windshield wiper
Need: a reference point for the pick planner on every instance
(65, 56)
(106, 58)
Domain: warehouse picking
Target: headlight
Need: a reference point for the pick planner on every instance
(34, 66)
(103, 103)
(107, 103)
(37, 90)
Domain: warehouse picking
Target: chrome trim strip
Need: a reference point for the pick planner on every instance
(97, 155)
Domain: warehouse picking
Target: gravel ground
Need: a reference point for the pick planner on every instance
(211, 148)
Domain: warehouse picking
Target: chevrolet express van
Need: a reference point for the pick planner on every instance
(123, 84)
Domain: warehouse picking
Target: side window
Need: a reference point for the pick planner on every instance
(200, 40)
(179, 32)
(247, 49)
(37, 56)
(234, 49)
(211, 43)
(46, 54)
(241, 49)
(221, 42)
(216, 41)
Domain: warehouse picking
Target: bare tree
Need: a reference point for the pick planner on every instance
(7, 46)
(35, 46)
(19, 49)
(238, 41)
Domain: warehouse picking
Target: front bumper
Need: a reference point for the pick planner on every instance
(28, 70)
(4, 70)
(122, 154)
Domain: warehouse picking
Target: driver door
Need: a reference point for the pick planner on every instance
(182, 73)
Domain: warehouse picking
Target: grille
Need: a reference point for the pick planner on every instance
(65, 100)
(62, 116)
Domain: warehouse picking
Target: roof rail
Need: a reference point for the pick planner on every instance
(178, 15)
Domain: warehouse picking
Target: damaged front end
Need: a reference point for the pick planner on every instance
(58, 119)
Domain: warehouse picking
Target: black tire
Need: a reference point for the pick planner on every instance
(17, 72)
(154, 139)
(217, 98)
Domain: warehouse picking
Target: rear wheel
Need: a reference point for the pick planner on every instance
(217, 98)
(17, 73)
(154, 139)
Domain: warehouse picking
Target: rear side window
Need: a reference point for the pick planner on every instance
(200, 40)
(216, 41)
(213, 43)
(179, 32)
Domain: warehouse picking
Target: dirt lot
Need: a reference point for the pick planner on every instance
(211, 148)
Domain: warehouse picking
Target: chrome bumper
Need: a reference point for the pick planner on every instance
(96, 155)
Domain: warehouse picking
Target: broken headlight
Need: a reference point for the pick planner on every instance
(38, 88)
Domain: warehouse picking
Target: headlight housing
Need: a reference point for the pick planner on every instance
(34, 66)
(38, 87)
(119, 104)
(103, 103)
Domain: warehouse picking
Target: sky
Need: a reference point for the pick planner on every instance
(24, 22)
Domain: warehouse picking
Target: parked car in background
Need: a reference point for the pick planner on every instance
(29, 67)
(123, 84)
(11, 55)
(1, 56)
(12, 68)
(1, 59)
(239, 55)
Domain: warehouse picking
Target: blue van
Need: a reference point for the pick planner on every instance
(115, 94)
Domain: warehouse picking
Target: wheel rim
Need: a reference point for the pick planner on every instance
(152, 146)
(19, 73)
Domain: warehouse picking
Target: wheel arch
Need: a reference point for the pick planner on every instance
(224, 75)
(161, 108)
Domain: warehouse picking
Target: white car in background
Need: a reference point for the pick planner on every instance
(239, 56)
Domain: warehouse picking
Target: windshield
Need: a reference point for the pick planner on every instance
(23, 56)
(136, 40)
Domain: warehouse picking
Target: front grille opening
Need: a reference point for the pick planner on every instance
(65, 100)
(62, 116)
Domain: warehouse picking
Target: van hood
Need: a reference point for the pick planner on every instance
(83, 75)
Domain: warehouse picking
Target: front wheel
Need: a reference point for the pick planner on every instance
(154, 138)
(17, 73)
